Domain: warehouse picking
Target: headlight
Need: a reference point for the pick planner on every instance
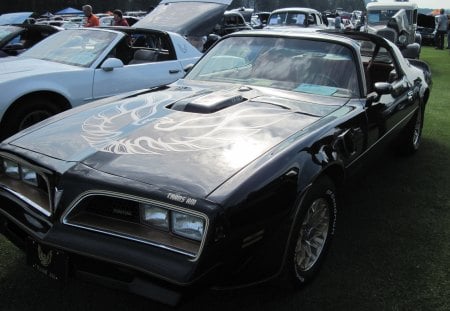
(188, 226)
(11, 169)
(29, 176)
(179, 223)
(402, 39)
(14, 170)
(155, 216)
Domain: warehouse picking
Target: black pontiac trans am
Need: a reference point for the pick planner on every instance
(225, 178)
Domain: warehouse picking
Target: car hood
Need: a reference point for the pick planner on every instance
(188, 18)
(191, 137)
(20, 67)
(426, 21)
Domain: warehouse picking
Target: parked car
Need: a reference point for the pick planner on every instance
(225, 178)
(296, 17)
(17, 18)
(425, 27)
(397, 22)
(232, 21)
(76, 66)
(15, 39)
(204, 18)
(259, 20)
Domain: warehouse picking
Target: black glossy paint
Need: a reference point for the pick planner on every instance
(246, 155)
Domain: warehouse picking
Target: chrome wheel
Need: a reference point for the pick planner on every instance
(313, 235)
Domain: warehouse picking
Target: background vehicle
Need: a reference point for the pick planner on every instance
(203, 17)
(17, 18)
(76, 66)
(397, 22)
(15, 39)
(425, 27)
(300, 17)
(225, 178)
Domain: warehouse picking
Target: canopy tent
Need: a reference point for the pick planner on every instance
(69, 10)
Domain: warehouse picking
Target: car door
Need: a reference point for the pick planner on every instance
(391, 110)
(135, 76)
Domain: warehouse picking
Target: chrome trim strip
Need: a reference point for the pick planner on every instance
(137, 199)
(381, 138)
(26, 200)
(131, 239)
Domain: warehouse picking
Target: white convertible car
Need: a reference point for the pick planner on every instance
(76, 66)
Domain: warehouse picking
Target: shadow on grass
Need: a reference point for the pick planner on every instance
(390, 252)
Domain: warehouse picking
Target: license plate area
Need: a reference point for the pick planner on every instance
(47, 260)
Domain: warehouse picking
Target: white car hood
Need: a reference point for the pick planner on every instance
(19, 67)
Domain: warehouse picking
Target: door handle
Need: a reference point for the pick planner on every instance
(410, 96)
(172, 71)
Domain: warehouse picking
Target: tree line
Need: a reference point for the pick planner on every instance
(42, 6)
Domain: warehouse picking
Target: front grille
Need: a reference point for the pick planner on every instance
(116, 208)
(389, 34)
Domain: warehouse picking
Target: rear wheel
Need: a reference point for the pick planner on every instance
(26, 113)
(312, 232)
(411, 138)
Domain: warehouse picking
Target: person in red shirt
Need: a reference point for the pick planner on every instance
(118, 18)
(91, 19)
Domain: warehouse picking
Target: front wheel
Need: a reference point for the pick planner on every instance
(26, 113)
(312, 232)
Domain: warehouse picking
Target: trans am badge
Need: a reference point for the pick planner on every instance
(44, 258)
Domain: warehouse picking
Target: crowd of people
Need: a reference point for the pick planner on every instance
(93, 21)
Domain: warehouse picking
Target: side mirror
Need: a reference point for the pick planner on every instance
(383, 88)
(188, 68)
(111, 63)
(380, 88)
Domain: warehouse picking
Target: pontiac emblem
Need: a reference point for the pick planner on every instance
(44, 258)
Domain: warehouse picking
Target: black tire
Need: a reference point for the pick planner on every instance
(26, 113)
(304, 258)
(411, 137)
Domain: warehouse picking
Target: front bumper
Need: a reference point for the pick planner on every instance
(155, 273)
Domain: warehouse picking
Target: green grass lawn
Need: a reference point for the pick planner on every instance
(391, 250)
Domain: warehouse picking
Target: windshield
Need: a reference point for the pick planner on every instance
(14, 18)
(382, 17)
(77, 47)
(6, 31)
(298, 65)
(287, 18)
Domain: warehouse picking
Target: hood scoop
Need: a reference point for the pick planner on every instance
(207, 103)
